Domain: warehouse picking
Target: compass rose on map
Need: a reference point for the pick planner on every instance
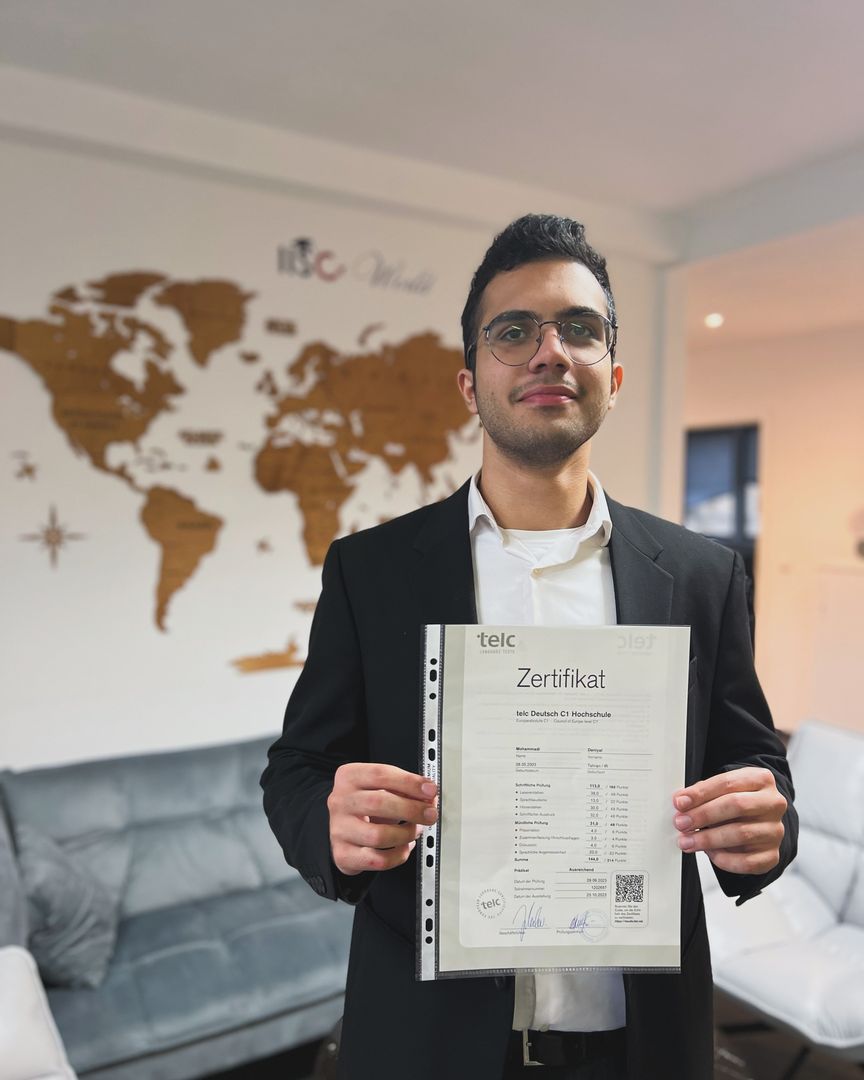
(53, 536)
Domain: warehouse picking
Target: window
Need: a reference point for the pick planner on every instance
(722, 488)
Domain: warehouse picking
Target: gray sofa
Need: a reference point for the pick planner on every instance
(158, 876)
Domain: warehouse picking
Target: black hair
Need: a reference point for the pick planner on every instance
(532, 238)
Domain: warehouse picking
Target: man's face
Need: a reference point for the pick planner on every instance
(540, 414)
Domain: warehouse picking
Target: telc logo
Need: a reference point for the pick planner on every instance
(496, 641)
(303, 260)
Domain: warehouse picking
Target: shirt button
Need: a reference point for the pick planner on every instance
(536, 572)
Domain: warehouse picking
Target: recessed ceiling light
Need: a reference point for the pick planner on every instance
(714, 321)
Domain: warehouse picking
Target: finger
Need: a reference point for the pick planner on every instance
(746, 779)
(372, 776)
(743, 836)
(752, 862)
(385, 806)
(355, 860)
(359, 833)
(765, 805)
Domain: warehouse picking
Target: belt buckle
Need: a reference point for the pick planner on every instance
(526, 1051)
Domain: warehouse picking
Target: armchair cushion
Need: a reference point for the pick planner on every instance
(795, 954)
(30, 1046)
(826, 1008)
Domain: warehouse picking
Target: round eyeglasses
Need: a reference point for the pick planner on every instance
(586, 338)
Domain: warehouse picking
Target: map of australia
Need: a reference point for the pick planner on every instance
(113, 373)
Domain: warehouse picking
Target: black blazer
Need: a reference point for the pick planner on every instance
(358, 699)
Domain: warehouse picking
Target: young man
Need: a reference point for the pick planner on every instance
(532, 538)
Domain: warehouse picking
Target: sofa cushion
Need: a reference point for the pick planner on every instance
(73, 918)
(158, 829)
(13, 908)
(182, 973)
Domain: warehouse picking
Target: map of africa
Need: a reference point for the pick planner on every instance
(111, 372)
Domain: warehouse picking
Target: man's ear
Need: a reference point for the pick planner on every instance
(617, 379)
(465, 381)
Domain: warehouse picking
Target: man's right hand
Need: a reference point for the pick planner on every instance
(376, 814)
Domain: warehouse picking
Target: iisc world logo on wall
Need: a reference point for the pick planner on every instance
(304, 258)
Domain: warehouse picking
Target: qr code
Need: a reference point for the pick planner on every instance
(629, 888)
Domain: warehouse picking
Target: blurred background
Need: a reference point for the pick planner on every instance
(236, 242)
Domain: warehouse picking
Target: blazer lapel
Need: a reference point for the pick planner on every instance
(444, 581)
(643, 590)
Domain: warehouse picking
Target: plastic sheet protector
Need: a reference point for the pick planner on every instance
(557, 751)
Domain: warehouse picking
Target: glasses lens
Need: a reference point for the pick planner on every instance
(513, 341)
(587, 338)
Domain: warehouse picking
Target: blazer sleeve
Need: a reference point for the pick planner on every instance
(324, 727)
(741, 731)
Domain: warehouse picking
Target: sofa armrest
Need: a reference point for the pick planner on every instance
(30, 1045)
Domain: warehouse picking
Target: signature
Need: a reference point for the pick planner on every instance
(528, 918)
(591, 924)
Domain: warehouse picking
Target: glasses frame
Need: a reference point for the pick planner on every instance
(611, 338)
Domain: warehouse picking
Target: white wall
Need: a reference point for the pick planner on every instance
(805, 394)
(96, 182)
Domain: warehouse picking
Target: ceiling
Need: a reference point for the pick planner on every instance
(656, 105)
(797, 285)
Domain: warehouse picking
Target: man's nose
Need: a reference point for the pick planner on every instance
(551, 351)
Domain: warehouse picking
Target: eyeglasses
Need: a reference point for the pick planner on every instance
(586, 338)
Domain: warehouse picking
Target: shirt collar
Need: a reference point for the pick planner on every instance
(598, 522)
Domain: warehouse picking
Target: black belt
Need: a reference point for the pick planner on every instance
(564, 1047)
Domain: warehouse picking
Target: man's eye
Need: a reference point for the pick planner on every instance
(574, 331)
(510, 334)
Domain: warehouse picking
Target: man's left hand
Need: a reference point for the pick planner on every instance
(736, 817)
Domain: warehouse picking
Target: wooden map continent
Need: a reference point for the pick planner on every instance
(398, 404)
(184, 534)
(95, 406)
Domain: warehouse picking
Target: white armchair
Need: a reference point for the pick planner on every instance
(795, 954)
(30, 1045)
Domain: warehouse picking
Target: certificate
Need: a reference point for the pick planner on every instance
(556, 751)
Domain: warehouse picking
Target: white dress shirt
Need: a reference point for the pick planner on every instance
(556, 577)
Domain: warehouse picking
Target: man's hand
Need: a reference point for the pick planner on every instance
(736, 817)
(376, 814)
